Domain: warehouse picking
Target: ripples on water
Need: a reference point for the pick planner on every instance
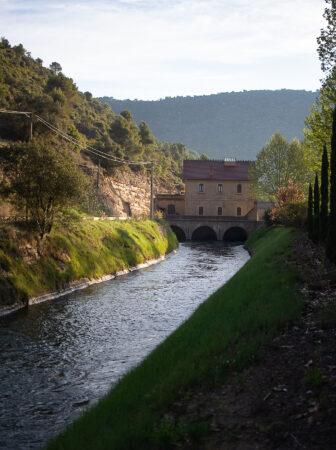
(57, 358)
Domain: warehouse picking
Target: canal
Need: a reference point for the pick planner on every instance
(58, 358)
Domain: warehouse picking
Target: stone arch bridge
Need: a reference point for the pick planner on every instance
(216, 228)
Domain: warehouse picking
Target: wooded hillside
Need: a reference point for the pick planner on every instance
(26, 85)
(228, 124)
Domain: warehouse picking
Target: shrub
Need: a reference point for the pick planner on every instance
(290, 208)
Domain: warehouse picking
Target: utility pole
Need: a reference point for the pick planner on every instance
(151, 193)
(30, 125)
(98, 174)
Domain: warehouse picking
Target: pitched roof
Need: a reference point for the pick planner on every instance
(216, 170)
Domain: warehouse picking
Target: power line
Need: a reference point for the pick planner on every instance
(86, 148)
(74, 141)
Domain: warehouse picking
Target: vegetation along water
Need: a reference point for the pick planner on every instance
(72, 349)
(85, 249)
(223, 334)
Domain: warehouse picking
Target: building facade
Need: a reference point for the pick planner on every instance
(217, 188)
(212, 188)
(217, 202)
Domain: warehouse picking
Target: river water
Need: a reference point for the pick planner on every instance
(58, 358)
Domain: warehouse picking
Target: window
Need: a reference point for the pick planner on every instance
(201, 187)
(200, 210)
(238, 211)
(239, 188)
(220, 210)
(220, 188)
(171, 209)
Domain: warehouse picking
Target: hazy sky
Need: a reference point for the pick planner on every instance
(149, 49)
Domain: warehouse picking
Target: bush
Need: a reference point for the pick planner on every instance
(290, 208)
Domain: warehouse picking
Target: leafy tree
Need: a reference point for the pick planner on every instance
(277, 163)
(146, 136)
(331, 242)
(88, 95)
(127, 115)
(204, 157)
(317, 130)
(316, 221)
(42, 178)
(318, 124)
(125, 132)
(55, 67)
(327, 39)
(290, 208)
(39, 61)
(4, 43)
(324, 195)
(19, 50)
(310, 217)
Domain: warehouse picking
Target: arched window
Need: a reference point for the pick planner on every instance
(238, 211)
(201, 187)
(220, 188)
(239, 188)
(220, 210)
(200, 210)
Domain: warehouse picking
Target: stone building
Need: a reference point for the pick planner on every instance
(214, 189)
(217, 188)
(217, 202)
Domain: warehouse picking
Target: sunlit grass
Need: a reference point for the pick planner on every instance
(90, 249)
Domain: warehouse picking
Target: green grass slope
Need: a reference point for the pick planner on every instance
(88, 249)
(224, 333)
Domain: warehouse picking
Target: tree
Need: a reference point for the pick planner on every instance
(43, 179)
(55, 67)
(317, 129)
(277, 163)
(5, 42)
(88, 95)
(316, 220)
(331, 242)
(19, 50)
(204, 157)
(310, 218)
(146, 136)
(290, 208)
(125, 132)
(324, 195)
(327, 39)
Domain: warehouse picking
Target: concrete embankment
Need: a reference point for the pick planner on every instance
(73, 258)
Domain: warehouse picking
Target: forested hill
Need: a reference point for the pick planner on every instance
(227, 124)
(26, 85)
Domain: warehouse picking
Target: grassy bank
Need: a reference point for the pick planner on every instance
(87, 249)
(224, 333)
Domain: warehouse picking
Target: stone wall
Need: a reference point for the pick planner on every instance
(128, 193)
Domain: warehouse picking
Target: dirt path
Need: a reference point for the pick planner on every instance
(287, 398)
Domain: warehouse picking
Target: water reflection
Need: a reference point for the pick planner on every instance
(58, 358)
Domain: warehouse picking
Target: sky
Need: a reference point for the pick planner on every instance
(151, 49)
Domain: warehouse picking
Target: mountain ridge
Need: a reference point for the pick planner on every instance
(235, 124)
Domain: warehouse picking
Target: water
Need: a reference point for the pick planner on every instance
(59, 357)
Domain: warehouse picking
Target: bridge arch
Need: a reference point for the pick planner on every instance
(180, 234)
(235, 234)
(204, 233)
